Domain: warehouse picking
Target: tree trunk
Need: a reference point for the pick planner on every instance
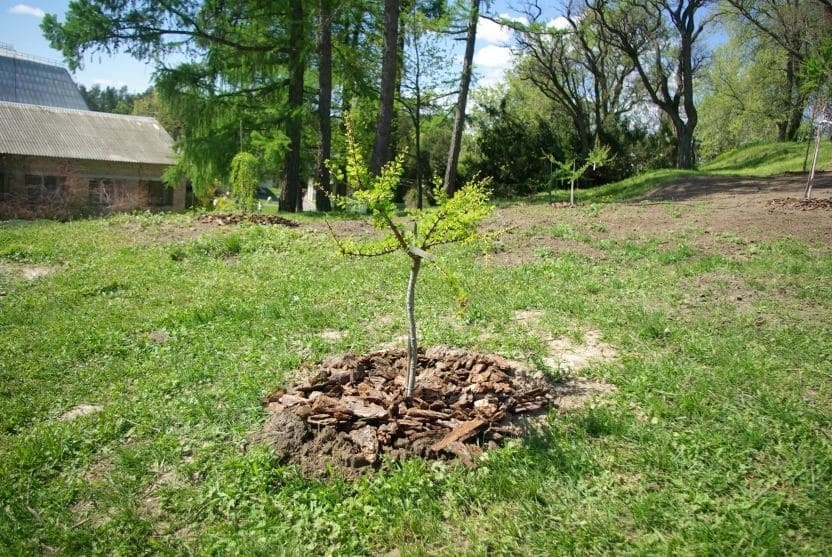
(322, 199)
(418, 131)
(384, 123)
(412, 340)
(796, 99)
(684, 146)
(462, 100)
(291, 197)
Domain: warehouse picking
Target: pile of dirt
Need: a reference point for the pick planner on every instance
(223, 219)
(352, 410)
(802, 204)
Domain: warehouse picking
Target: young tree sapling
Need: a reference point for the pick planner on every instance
(568, 169)
(454, 220)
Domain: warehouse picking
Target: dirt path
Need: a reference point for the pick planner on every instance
(705, 212)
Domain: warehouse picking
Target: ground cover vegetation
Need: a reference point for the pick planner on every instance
(135, 350)
(686, 288)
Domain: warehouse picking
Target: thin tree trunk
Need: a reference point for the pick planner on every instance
(807, 193)
(291, 196)
(418, 131)
(462, 101)
(572, 186)
(384, 123)
(322, 200)
(809, 143)
(412, 339)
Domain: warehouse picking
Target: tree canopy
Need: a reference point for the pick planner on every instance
(277, 79)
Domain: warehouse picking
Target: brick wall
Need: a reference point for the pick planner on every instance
(31, 187)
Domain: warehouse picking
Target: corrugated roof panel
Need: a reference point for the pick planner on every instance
(43, 131)
(31, 82)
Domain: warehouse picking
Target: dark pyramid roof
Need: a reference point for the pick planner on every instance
(25, 80)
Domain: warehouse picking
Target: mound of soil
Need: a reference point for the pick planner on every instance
(352, 409)
(800, 203)
(223, 219)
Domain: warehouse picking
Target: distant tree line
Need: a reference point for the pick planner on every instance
(277, 79)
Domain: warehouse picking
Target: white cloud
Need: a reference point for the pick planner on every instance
(491, 32)
(493, 56)
(23, 9)
(559, 23)
(491, 63)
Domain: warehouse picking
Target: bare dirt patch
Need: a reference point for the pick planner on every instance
(529, 317)
(332, 335)
(151, 503)
(80, 410)
(568, 356)
(25, 271)
(722, 215)
(351, 411)
(514, 249)
(224, 219)
(748, 209)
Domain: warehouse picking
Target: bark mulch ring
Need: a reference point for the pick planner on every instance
(223, 219)
(351, 411)
(802, 204)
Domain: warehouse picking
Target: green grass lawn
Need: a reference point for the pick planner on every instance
(718, 439)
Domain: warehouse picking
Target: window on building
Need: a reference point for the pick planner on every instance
(102, 193)
(4, 188)
(159, 195)
(40, 188)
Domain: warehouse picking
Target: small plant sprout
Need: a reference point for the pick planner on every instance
(569, 169)
(454, 220)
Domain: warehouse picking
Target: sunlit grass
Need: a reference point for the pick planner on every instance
(717, 440)
(768, 159)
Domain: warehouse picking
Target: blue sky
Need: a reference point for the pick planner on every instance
(19, 28)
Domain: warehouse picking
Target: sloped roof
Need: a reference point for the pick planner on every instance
(26, 80)
(43, 131)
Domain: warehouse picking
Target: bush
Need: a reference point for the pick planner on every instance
(244, 179)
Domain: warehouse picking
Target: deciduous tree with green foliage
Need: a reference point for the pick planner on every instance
(662, 38)
(795, 28)
(453, 220)
(246, 70)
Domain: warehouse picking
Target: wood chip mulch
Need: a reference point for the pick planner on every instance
(351, 410)
(801, 204)
(224, 219)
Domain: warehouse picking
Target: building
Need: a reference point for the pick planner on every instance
(28, 80)
(59, 159)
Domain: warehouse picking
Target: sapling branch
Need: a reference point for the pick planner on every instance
(454, 221)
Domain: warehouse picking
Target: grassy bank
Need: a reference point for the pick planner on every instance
(768, 159)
